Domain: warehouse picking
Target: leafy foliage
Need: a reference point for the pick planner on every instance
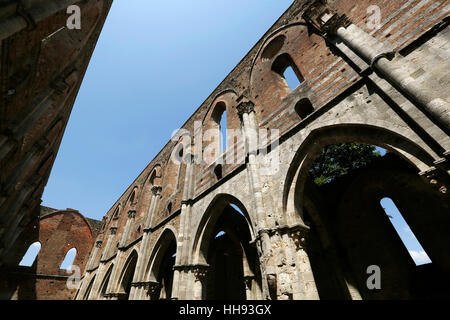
(339, 159)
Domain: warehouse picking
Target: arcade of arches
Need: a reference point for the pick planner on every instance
(228, 209)
(261, 228)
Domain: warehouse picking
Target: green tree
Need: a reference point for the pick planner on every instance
(339, 159)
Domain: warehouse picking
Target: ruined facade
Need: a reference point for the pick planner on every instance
(42, 65)
(243, 220)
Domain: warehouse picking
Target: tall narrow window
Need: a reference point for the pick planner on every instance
(291, 78)
(219, 118)
(31, 254)
(69, 259)
(223, 132)
(285, 67)
(408, 238)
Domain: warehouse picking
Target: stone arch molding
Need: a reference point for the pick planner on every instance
(222, 96)
(207, 222)
(318, 138)
(161, 245)
(134, 255)
(258, 56)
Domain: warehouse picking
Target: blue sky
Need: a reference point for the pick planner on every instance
(154, 65)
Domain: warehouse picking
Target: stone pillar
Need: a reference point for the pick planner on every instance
(91, 263)
(109, 242)
(200, 273)
(151, 289)
(128, 225)
(397, 70)
(183, 242)
(247, 115)
(138, 293)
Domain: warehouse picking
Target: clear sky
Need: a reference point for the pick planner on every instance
(154, 65)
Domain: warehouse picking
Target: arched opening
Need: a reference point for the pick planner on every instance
(30, 256)
(304, 108)
(350, 231)
(116, 213)
(105, 282)
(127, 276)
(272, 49)
(69, 259)
(219, 118)
(89, 289)
(133, 197)
(226, 246)
(285, 67)
(163, 261)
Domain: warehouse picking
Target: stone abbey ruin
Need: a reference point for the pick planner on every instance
(245, 221)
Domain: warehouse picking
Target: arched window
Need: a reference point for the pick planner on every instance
(69, 259)
(223, 131)
(31, 255)
(403, 230)
(219, 117)
(133, 197)
(285, 67)
(89, 288)
(116, 213)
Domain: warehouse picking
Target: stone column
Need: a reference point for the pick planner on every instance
(397, 70)
(200, 273)
(183, 242)
(109, 242)
(247, 115)
(144, 254)
(91, 263)
(128, 225)
(304, 288)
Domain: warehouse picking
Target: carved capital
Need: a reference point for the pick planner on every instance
(131, 214)
(324, 19)
(156, 190)
(300, 236)
(151, 287)
(248, 280)
(438, 179)
(200, 272)
(245, 107)
(187, 202)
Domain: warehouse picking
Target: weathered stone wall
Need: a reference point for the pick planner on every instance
(380, 86)
(42, 65)
(57, 232)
